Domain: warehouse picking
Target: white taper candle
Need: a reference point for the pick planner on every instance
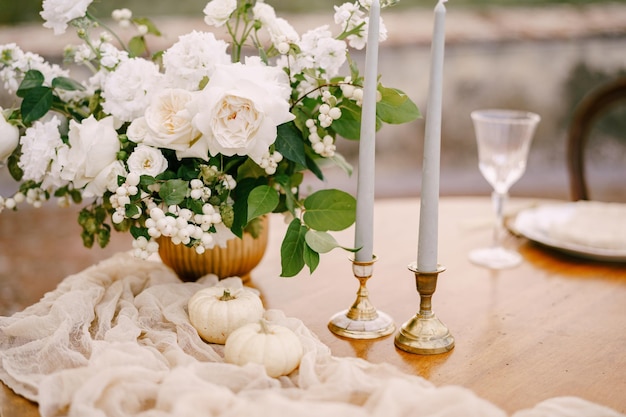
(429, 205)
(364, 226)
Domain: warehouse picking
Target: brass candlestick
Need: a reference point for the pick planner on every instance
(362, 320)
(425, 334)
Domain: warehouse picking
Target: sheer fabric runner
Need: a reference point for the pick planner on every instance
(115, 340)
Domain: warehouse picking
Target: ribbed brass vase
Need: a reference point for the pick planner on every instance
(238, 258)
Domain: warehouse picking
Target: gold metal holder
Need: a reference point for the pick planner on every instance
(362, 320)
(425, 334)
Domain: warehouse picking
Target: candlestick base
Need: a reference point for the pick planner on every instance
(425, 334)
(362, 320)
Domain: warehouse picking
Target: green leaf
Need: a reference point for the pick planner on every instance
(340, 161)
(262, 200)
(139, 231)
(240, 207)
(349, 125)
(37, 102)
(14, 169)
(249, 169)
(132, 210)
(329, 210)
(313, 167)
(173, 191)
(289, 143)
(67, 84)
(32, 79)
(321, 242)
(396, 107)
(146, 180)
(137, 46)
(311, 258)
(292, 249)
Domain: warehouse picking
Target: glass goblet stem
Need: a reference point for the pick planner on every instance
(499, 200)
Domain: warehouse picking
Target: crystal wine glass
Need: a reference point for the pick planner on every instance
(503, 138)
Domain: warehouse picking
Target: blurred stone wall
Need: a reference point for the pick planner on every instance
(540, 59)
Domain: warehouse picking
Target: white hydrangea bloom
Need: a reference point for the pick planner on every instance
(39, 145)
(110, 56)
(321, 51)
(58, 13)
(192, 58)
(279, 29)
(217, 12)
(128, 90)
(16, 63)
(350, 16)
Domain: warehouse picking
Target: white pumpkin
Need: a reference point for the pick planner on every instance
(275, 347)
(215, 312)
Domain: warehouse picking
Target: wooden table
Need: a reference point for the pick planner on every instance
(554, 326)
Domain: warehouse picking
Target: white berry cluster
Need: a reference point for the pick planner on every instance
(34, 196)
(181, 225)
(328, 113)
(270, 162)
(121, 198)
(124, 18)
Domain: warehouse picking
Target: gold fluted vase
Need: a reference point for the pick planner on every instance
(238, 258)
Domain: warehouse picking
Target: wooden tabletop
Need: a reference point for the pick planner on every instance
(554, 326)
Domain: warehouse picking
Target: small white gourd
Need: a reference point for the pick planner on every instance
(216, 312)
(275, 347)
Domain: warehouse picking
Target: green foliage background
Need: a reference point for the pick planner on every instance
(18, 11)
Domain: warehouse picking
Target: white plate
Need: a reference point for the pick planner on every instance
(534, 224)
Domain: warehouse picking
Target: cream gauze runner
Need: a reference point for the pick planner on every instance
(115, 341)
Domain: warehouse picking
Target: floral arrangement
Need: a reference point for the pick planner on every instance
(196, 142)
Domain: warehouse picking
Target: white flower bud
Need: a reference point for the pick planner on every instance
(283, 48)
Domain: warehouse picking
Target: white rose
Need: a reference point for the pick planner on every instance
(146, 160)
(105, 180)
(9, 138)
(240, 108)
(138, 130)
(169, 125)
(217, 12)
(93, 145)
